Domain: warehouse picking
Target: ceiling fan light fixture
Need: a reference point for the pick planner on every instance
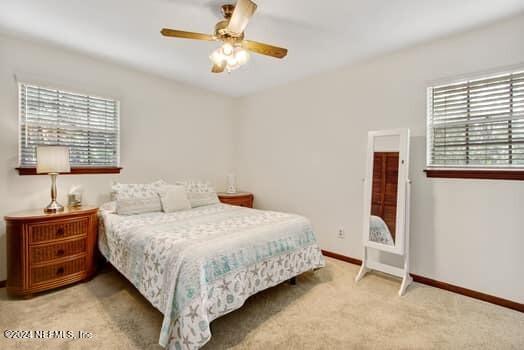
(237, 57)
(234, 49)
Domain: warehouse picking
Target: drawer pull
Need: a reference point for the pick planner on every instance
(60, 271)
(60, 252)
(60, 231)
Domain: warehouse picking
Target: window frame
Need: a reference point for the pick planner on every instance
(75, 169)
(494, 172)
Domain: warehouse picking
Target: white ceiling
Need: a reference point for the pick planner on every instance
(319, 34)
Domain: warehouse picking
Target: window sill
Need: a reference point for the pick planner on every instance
(475, 174)
(75, 170)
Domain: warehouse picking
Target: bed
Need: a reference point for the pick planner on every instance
(199, 264)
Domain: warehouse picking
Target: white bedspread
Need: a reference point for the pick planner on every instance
(199, 264)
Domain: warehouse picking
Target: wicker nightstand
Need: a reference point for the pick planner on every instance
(242, 199)
(46, 251)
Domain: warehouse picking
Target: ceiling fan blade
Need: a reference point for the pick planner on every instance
(264, 49)
(186, 35)
(244, 10)
(218, 69)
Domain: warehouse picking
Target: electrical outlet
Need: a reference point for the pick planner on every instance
(341, 232)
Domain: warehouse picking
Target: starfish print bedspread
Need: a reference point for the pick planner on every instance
(199, 264)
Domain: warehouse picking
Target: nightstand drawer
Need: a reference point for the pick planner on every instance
(241, 202)
(58, 270)
(41, 253)
(57, 230)
(241, 199)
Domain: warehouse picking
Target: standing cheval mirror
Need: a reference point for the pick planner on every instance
(386, 203)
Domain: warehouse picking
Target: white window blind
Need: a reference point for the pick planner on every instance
(88, 125)
(477, 123)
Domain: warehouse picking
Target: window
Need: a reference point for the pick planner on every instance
(477, 126)
(88, 125)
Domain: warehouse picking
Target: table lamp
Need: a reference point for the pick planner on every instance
(52, 160)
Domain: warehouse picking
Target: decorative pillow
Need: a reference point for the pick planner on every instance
(137, 198)
(174, 198)
(137, 190)
(199, 193)
(133, 206)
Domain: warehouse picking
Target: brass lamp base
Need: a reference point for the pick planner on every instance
(53, 207)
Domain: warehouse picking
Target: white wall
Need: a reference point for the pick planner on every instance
(168, 130)
(301, 148)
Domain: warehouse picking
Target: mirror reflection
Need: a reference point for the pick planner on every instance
(383, 218)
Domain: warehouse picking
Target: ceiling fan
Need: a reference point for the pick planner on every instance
(234, 51)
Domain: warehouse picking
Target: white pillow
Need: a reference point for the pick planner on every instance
(174, 198)
(134, 199)
(199, 193)
(121, 190)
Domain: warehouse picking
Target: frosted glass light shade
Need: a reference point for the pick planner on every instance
(242, 56)
(217, 57)
(52, 159)
(227, 49)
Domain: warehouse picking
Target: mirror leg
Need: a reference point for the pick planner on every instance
(406, 281)
(363, 268)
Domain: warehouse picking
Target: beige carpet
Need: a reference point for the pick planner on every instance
(325, 310)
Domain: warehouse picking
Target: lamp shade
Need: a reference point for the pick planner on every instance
(52, 159)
